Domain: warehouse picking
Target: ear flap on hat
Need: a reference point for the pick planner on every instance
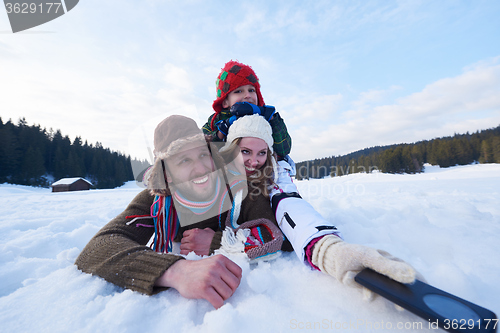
(155, 180)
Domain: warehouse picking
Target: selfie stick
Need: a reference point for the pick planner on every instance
(440, 308)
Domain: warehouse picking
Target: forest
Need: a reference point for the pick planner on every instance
(31, 155)
(460, 149)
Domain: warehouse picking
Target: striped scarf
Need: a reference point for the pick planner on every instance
(164, 231)
(198, 208)
(163, 209)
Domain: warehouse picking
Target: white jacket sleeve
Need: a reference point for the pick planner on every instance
(297, 219)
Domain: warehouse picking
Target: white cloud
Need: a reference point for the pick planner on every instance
(467, 102)
(109, 67)
(373, 96)
(311, 110)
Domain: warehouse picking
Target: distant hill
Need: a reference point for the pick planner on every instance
(30, 155)
(460, 149)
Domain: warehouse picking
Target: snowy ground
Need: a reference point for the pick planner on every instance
(446, 222)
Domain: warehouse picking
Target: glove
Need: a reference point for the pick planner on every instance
(343, 261)
(241, 109)
(223, 125)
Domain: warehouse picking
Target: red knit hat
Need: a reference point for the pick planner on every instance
(232, 76)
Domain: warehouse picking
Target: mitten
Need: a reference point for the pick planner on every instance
(223, 125)
(343, 261)
(241, 109)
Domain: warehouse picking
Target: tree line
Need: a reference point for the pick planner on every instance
(30, 155)
(460, 149)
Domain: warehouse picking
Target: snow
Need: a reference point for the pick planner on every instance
(445, 222)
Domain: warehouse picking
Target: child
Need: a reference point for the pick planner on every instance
(238, 83)
(235, 84)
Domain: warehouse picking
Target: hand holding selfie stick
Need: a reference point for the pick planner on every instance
(400, 283)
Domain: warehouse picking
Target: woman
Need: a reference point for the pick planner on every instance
(249, 151)
(315, 240)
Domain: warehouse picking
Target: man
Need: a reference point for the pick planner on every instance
(187, 195)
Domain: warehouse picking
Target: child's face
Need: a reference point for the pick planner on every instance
(245, 93)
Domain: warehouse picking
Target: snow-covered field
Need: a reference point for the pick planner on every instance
(445, 222)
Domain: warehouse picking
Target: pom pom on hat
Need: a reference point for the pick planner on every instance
(232, 76)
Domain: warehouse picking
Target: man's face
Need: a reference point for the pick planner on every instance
(245, 93)
(191, 171)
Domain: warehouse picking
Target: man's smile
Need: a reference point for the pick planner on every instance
(201, 180)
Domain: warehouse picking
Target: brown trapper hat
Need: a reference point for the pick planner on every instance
(170, 136)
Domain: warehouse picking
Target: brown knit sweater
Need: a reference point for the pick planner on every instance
(118, 252)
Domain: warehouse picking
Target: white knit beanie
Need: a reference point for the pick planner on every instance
(254, 126)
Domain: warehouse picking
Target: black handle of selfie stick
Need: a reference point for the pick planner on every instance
(439, 308)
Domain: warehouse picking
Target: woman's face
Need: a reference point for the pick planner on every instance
(254, 154)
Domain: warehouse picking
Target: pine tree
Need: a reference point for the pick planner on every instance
(10, 151)
(444, 154)
(463, 151)
(417, 158)
(486, 152)
(407, 165)
(495, 149)
(32, 168)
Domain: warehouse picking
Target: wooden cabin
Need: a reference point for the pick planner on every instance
(71, 184)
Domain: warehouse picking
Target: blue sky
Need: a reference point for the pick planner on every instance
(345, 75)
